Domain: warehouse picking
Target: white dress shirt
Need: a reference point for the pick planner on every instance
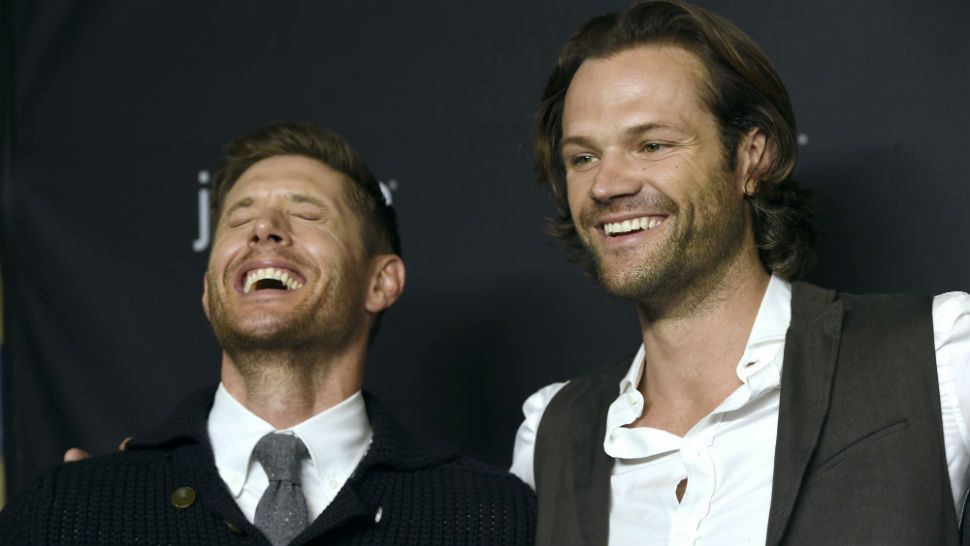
(728, 457)
(337, 440)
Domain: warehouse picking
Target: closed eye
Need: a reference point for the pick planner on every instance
(238, 221)
(308, 216)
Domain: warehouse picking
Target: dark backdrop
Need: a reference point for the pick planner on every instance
(117, 108)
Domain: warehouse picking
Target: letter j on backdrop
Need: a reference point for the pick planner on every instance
(202, 241)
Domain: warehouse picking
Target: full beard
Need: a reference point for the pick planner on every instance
(689, 262)
(304, 336)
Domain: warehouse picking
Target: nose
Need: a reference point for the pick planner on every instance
(270, 228)
(615, 178)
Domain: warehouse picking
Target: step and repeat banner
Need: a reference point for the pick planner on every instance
(120, 109)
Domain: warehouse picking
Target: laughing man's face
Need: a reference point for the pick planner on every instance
(288, 259)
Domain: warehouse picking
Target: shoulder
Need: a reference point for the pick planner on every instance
(425, 486)
(435, 469)
(457, 501)
(535, 405)
(62, 501)
(875, 314)
(594, 382)
(471, 485)
(476, 477)
(98, 472)
(951, 311)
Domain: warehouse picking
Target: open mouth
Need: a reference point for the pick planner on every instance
(270, 278)
(644, 223)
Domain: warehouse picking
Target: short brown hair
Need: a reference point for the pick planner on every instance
(281, 138)
(742, 91)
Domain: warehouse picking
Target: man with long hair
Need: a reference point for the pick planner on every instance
(758, 409)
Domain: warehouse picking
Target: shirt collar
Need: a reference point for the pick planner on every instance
(760, 365)
(336, 438)
(764, 343)
(759, 370)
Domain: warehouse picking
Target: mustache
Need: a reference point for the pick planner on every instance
(654, 203)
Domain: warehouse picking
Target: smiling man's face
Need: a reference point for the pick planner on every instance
(648, 190)
(287, 268)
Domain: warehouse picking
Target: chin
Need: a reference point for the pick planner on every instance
(634, 282)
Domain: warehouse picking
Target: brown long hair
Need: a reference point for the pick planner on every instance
(742, 91)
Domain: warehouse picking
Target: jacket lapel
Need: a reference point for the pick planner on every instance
(811, 353)
(199, 466)
(345, 508)
(184, 435)
(393, 449)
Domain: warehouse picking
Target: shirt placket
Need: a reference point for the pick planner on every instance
(698, 463)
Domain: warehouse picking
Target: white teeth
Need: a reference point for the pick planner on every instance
(257, 275)
(626, 226)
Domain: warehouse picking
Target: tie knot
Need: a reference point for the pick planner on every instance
(281, 455)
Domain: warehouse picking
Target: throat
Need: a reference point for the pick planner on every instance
(287, 388)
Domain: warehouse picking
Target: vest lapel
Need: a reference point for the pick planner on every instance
(811, 352)
(591, 476)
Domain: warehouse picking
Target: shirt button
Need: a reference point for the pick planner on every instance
(632, 398)
(333, 483)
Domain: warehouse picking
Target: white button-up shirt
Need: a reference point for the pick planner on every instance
(336, 439)
(728, 456)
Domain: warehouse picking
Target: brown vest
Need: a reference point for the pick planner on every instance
(859, 458)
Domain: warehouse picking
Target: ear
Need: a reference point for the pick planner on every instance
(752, 158)
(205, 296)
(386, 282)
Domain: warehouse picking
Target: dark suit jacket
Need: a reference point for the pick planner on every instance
(165, 489)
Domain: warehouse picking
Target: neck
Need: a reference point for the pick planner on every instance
(692, 348)
(287, 388)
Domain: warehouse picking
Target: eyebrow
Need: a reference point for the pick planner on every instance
(241, 204)
(302, 198)
(628, 133)
(297, 198)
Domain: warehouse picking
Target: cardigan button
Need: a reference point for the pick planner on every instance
(183, 497)
(233, 527)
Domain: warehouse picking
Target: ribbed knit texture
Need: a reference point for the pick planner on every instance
(406, 490)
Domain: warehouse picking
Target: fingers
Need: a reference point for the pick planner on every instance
(75, 454)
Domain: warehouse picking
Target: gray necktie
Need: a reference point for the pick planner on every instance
(281, 513)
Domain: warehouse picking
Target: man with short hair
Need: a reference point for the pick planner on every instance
(288, 449)
(758, 409)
